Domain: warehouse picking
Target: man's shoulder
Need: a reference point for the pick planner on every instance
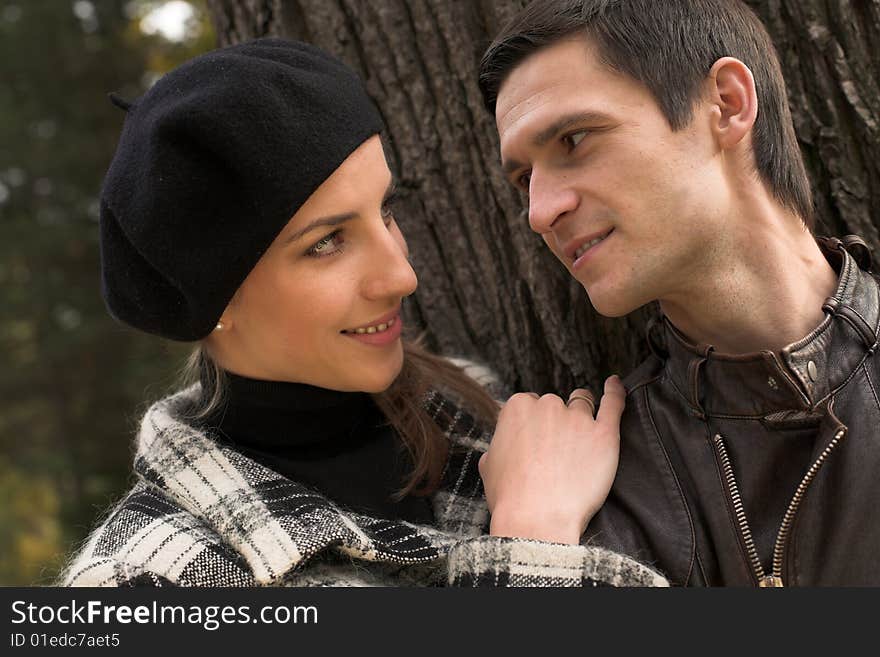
(644, 391)
(647, 372)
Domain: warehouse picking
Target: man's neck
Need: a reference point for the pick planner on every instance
(764, 292)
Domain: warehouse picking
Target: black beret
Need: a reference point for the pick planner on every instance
(212, 163)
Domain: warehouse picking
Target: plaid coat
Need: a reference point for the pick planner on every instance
(202, 514)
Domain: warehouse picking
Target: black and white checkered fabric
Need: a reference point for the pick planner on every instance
(202, 514)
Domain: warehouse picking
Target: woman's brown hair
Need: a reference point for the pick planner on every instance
(402, 404)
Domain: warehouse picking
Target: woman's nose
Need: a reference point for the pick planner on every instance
(390, 273)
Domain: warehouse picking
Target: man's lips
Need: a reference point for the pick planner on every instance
(576, 247)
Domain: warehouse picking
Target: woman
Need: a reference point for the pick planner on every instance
(247, 208)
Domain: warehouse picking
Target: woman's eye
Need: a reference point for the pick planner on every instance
(575, 138)
(523, 181)
(388, 208)
(328, 246)
(387, 214)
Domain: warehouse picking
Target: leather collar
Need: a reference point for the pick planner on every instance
(800, 377)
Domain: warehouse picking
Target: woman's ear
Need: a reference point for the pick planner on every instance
(226, 319)
(733, 99)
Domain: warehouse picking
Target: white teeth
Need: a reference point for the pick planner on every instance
(372, 329)
(591, 243)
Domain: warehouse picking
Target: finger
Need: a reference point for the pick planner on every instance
(580, 393)
(548, 399)
(481, 464)
(521, 395)
(516, 405)
(612, 403)
(582, 398)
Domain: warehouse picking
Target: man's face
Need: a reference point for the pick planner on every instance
(631, 208)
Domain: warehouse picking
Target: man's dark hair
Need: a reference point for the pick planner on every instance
(669, 46)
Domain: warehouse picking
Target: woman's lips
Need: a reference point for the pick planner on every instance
(378, 338)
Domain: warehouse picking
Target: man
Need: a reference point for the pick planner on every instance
(655, 145)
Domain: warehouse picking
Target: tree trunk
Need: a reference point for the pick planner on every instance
(488, 286)
(830, 53)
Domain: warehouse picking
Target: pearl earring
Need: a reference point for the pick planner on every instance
(219, 326)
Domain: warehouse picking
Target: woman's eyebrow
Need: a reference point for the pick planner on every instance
(333, 220)
(336, 219)
(389, 191)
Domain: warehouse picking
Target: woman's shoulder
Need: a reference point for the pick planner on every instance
(149, 539)
(204, 514)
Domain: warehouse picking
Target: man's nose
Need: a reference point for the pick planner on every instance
(391, 275)
(550, 197)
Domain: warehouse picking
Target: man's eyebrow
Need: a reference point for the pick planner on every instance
(509, 166)
(563, 123)
(334, 220)
(559, 125)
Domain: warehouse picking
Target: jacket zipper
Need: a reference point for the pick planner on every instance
(774, 579)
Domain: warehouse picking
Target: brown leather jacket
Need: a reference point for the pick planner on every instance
(760, 468)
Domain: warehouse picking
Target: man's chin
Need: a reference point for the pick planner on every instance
(609, 304)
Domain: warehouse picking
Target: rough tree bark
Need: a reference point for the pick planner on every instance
(830, 52)
(488, 286)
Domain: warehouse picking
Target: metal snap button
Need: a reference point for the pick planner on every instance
(812, 370)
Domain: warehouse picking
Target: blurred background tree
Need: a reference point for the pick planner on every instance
(72, 381)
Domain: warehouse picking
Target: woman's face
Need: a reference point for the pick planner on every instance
(322, 304)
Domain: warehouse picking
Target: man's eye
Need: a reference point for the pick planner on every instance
(575, 138)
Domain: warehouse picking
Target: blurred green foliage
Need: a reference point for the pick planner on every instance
(72, 381)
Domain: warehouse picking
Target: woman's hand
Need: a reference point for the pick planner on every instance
(550, 465)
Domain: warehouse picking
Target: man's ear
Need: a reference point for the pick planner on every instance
(733, 100)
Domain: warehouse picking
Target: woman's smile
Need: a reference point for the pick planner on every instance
(380, 333)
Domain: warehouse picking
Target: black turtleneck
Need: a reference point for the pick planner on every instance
(338, 443)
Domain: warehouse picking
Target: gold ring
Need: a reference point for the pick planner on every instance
(585, 398)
